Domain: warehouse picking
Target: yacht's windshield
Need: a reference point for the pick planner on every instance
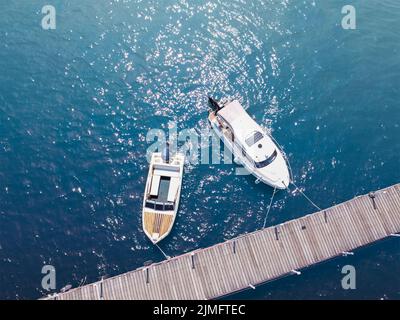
(267, 161)
(169, 206)
(150, 204)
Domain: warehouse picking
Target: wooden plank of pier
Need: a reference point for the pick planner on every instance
(257, 257)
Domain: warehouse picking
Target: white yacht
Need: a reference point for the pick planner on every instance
(250, 145)
(162, 194)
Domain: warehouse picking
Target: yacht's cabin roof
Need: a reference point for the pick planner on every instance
(257, 145)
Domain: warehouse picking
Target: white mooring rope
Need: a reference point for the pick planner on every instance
(165, 255)
(269, 208)
(305, 196)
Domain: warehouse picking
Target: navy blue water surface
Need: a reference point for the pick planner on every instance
(77, 102)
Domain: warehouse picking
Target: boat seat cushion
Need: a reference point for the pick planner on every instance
(166, 167)
(173, 189)
(166, 173)
(155, 185)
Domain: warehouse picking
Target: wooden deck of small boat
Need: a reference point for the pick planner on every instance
(157, 223)
(258, 257)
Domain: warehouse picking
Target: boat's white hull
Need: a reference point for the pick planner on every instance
(279, 181)
(165, 218)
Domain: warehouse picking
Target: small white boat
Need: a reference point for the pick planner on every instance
(161, 199)
(250, 145)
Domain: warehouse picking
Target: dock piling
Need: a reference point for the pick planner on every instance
(373, 196)
(276, 233)
(101, 289)
(192, 256)
(147, 276)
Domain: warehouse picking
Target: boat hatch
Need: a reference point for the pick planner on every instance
(253, 138)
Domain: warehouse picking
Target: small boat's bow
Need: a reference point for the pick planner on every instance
(157, 225)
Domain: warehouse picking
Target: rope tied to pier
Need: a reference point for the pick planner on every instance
(164, 254)
(292, 179)
(305, 196)
(269, 208)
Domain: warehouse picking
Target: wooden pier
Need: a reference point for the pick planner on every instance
(258, 257)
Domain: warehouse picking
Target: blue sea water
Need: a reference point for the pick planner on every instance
(77, 102)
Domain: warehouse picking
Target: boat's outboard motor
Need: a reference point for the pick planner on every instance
(214, 104)
(165, 153)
